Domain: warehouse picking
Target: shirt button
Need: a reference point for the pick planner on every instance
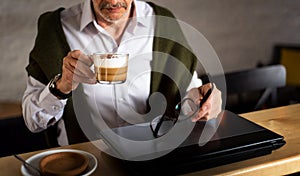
(55, 107)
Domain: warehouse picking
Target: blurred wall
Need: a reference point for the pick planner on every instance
(18, 21)
(242, 32)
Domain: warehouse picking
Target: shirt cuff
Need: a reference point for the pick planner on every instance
(52, 104)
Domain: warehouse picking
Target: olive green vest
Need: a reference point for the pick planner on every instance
(51, 47)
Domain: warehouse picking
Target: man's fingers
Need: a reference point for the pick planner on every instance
(203, 112)
(78, 78)
(83, 70)
(78, 55)
(79, 75)
(76, 68)
(75, 63)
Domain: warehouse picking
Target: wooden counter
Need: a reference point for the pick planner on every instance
(10, 109)
(284, 121)
(286, 160)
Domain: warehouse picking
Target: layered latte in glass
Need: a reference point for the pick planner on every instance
(110, 68)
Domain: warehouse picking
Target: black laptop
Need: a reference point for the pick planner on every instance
(235, 139)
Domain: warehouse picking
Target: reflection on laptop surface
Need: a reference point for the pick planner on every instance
(233, 139)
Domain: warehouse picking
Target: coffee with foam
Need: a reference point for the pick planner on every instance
(110, 68)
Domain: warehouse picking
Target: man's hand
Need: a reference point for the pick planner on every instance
(75, 70)
(211, 107)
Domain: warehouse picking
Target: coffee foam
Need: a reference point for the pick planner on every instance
(121, 61)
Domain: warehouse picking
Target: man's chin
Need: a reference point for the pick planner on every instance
(113, 18)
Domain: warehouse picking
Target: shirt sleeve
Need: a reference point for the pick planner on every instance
(41, 109)
(195, 82)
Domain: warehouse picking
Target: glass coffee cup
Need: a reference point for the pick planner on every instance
(110, 68)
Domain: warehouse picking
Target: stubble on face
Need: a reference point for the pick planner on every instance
(111, 12)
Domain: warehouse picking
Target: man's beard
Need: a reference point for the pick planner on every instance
(106, 5)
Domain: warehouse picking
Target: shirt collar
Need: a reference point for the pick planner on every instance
(88, 16)
(139, 15)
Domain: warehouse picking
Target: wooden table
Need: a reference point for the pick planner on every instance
(283, 120)
(10, 109)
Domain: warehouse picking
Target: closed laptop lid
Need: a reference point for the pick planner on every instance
(230, 138)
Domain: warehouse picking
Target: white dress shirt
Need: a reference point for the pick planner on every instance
(42, 109)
